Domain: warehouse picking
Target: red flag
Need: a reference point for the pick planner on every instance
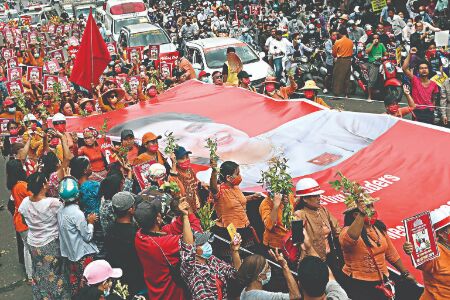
(92, 57)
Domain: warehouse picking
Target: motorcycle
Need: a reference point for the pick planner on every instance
(388, 84)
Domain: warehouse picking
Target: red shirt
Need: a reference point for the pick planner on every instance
(423, 95)
(157, 276)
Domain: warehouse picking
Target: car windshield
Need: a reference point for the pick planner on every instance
(216, 56)
(34, 18)
(118, 24)
(83, 11)
(152, 37)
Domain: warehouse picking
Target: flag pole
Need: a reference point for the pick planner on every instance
(92, 54)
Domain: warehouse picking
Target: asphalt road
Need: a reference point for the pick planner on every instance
(12, 284)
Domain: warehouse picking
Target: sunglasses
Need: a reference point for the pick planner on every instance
(59, 122)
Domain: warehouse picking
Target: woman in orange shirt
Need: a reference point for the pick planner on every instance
(16, 182)
(231, 204)
(93, 151)
(367, 249)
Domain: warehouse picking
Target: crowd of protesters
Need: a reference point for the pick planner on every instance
(83, 222)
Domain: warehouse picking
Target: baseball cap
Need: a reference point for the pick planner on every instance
(123, 201)
(146, 212)
(150, 136)
(180, 152)
(201, 238)
(8, 102)
(126, 133)
(100, 270)
(243, 74)
(203, 73)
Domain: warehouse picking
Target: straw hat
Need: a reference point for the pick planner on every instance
(120, 94)
(310, 85)
(352, 205)
(270, 79)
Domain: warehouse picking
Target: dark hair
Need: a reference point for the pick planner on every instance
(35, 182)
(63, 103)
(78, 166)
(110, 186)
(349, 218)
(313, 276)
(14, 173)
(114, 168)
(11, 122)
(50, 164)
(301, 202)
(251, 267)
(231, 49)
(342, 31)
(227, 169)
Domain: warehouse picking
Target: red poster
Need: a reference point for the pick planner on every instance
(420, 233)
(325, 159)
(3, 127)
(106, 148)
(142, 174)
(58, 55)
(14, 87)
(134, 53)
(153, 51)
(165, 69)
(26, 20)
(65, 84)
(169, 57)
(52, 66)
(133, 81)
(13, 62)
(72, 50)
(14, 74)
(7, 53)
(34, 74)
(15, 139)
(111, 48)
(49, 81)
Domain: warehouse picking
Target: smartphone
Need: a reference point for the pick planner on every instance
(231, 231)
(297, 232)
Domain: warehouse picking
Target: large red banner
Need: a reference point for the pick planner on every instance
(401, 162)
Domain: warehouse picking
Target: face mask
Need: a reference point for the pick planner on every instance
(89, 108)
(207, 250)
(184, 165)
(14, 131)
(309, 94)
(152, 92)
(153, 147)
(422, 13)
(369, 32)
(237, 180)
(270, 87)
(246, 81)
(410, 24)
(60, 127)
(205, 79)
(392, 109)
(54, 142)
(268, 276)
(372, 219)
(33, 126)
(333, 38)
(47, 102)
(11, 110)
(36, 55)
(431, 53)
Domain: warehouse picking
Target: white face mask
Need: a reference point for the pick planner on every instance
(410, 24)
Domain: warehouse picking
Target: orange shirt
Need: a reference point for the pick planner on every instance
(358, 263)
(436, 276)
(185, 65)
(145, 157)
(274, 233)
(17, 116)
(343, 47)
(231, 207)
(320, 101)
(19, 192)
(95, 157)
(132, 154)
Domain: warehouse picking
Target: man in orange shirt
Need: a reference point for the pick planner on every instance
(10, 112)
(127, 141)
(186, 69)
(343, 52)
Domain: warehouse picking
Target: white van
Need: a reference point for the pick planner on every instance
(210, 55)
(143, 35)
(120, 13)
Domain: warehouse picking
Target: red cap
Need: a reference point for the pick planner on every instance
(203, 73)
(8, 102)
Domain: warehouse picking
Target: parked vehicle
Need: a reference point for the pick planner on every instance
(143, 35)
(209, 55)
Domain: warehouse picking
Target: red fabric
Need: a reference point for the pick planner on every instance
(157, 275)
(92, 57)
(176, 227)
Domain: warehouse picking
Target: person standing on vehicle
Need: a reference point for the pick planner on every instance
(375, 51)
(424, 91)
(342, 51)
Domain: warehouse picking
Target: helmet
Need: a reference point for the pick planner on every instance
(68, 189)
(157, 170)
(58, 117)
(29, 117)
(308, 187)
(368, 27)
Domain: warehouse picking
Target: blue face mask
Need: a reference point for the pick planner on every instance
(207, 250)
(268, 276)
(11, 109)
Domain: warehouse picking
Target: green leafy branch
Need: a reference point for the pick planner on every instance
(21, 102)
(205, 215)
(171, 143)
(211, 144)
(57, 92)
(170, 187)
(104, 129)
(121, 290)
(277, 180)
(353, 191)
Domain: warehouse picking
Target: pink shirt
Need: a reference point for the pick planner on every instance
(423, 95)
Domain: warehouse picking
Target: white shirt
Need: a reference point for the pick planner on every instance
(279, 48)
(41, 219)
(397, 24)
